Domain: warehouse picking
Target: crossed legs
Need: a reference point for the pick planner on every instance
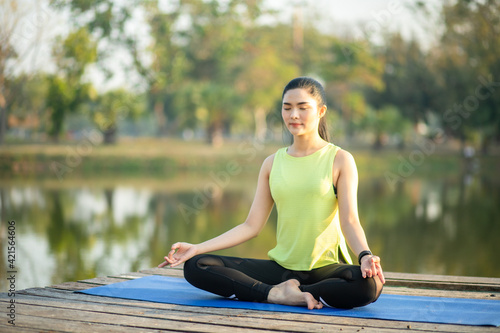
(337, 285)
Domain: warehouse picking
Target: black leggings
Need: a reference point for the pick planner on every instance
(337, 285)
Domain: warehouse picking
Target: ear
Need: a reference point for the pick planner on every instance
(322, 111)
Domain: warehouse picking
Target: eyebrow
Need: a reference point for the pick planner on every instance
(300, 103)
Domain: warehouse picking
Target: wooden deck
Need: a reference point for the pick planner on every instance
(58, 309)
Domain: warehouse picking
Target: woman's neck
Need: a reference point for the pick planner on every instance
(305, 146)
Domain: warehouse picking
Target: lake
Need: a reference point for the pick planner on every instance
(82, 228)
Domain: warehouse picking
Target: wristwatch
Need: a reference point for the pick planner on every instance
(362, 254)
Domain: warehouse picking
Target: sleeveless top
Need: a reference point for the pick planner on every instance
(308, 229)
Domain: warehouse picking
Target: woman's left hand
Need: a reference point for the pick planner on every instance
(370, 267)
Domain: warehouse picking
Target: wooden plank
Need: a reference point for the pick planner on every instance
(442, 278)
(125, 320)
(299, 319)
(189, 318)
(94, 282)
(72, 286)
(445, 282)
(103, 280)
(17, 329)
(444, 285)
(164, 271)
(440, 293)
(129, 276)
(28, 323)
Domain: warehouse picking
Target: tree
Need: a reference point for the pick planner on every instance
(166, 74)
(105, 21)
(387, 121)
(350, 68)
(107, 109)
(20, 28)
(28, 99)
(59, 100)
(66, 90)
(470, 69)
(98, 31)
(264, 75)
(214, 46)
(410, 85)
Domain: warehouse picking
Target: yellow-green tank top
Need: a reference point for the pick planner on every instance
(308, 230)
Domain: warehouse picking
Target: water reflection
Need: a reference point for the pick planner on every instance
(437, 226)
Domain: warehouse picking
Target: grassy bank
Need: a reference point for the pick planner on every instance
(158, 157)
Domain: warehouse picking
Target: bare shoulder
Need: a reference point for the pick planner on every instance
(344, 160)
(344, 169)
(268, 164)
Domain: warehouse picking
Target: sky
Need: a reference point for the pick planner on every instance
(359, 17)
(356, 19)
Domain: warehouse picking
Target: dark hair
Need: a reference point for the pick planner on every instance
(316, 90)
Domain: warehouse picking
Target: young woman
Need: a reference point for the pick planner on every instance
(314, 186)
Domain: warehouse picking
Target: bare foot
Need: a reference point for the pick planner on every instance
(288, 293)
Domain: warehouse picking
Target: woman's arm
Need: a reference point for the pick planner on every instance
(257, 218)
(346, 175)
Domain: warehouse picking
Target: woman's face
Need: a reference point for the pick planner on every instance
(300, 112)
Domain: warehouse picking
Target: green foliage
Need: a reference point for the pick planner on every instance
(210, 64)
(385, 122)
(67, 89)
(28, 94)
(75, 53)
(470, 48)
(110, 107)
(409, 83)
(59, 98)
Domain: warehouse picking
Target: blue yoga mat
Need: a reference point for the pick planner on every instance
(171, 290)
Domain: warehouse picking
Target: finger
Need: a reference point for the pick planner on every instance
(381, 275)
(173, 259)
(170, 255)
(373, 267)
(368, 268)
(165, 263)
(379, 270)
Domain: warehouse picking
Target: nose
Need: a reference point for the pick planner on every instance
(294, 114)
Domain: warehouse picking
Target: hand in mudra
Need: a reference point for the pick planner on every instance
(370, 267)
(179, 253)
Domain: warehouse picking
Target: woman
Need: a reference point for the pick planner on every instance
(314, 186)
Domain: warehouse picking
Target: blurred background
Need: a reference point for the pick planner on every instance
(128, 125)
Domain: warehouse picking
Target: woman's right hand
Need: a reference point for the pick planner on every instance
(179, 253)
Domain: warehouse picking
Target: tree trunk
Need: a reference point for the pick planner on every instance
(214, 134)
(485, 145)
(3, 112)
(260, 124)
(3, 124)
(110, 135)
(160, 118)
(377, 144)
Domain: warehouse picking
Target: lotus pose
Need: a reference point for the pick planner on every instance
(314, 186)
